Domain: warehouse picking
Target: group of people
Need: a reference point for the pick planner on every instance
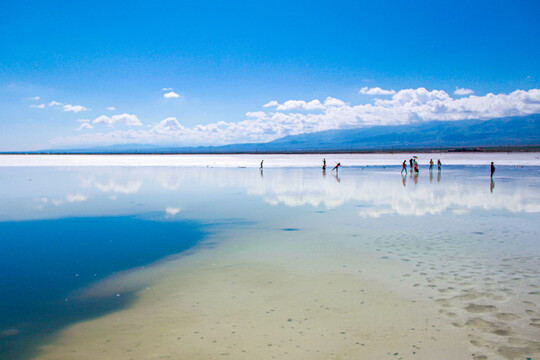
(414, 165)
(412, 162)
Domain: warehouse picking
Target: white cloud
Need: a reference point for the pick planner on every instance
(74, 108)
(330, 101)
(256, 114)
(300, 105)
(463, 91)
(33, 98)
(171, 211)
(110, 108)
(170, 95)
(55, 103)
(168, 125)
(271, 104)
(127, 119)
(376, 91)
(85, 125)
(40, 106)
(404, 107)
(167, 89)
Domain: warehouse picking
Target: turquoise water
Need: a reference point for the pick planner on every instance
(64, 229)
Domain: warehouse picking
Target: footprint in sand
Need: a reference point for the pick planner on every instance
(489, 327)
(477, 309)
(506, 316)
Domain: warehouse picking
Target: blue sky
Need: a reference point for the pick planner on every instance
(227, 59)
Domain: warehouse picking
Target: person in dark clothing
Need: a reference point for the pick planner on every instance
(492, 169)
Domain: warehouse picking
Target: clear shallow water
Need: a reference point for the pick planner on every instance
(468, 243)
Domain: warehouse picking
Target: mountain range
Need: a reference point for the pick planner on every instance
(518, 131)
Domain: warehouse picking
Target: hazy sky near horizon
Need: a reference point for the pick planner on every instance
(214, 72)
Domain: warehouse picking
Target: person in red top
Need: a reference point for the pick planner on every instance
(404, 167)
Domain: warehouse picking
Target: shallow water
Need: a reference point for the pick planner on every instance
(108, 238)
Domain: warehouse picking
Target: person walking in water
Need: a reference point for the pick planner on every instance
(492, 169)
(261, 164)
(336, 167)
(404, 167)
(439, 164)
(324, 164)
(416, 170)
(410, 162)
(430, 164)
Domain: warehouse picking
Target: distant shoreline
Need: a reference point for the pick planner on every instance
(471, 149)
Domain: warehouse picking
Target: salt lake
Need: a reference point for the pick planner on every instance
(139, 257)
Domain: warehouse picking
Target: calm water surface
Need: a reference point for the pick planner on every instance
(471, 239)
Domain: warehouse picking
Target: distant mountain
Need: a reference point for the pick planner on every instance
(513, 131)
(509, 131)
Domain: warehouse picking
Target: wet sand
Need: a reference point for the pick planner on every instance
(285, 297)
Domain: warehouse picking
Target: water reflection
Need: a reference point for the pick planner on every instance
(123, 191)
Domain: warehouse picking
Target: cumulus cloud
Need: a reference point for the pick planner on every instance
(463, 91)
(110, 108)
(40, 106)
(256, 114)
(168, 125)
(330, 101)
(127, 119)
(271, 104)
(167, 89)
(171, 95)
(376, 91)
(33, 98)
(300, 105)
(74, 108)
(85, 125)
(404, 107)
(55, 103)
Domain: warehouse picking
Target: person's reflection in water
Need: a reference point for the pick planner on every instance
(491, 186)
(261, 170)
(415, 178)
(438, 176)
(337, 177)
(404, 179)
(430, 176)
(324, 172)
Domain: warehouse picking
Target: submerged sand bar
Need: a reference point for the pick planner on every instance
(245, 300)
